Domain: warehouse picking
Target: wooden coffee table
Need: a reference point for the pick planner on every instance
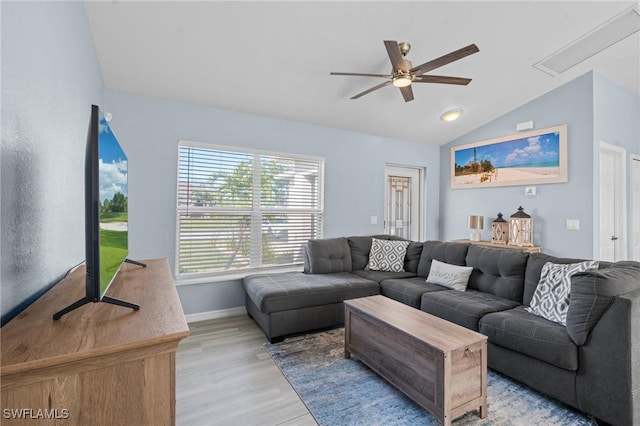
(440, 365)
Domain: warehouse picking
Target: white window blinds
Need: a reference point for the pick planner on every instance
(243, 209)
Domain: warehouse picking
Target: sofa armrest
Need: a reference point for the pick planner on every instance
(608, 376)
(593, 292)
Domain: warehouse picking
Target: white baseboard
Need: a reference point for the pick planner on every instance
(222, 313)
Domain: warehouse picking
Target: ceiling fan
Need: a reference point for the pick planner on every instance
(403, 73)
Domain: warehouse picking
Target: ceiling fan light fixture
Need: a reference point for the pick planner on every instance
(402, 80)
(403, 74)
(451, 115)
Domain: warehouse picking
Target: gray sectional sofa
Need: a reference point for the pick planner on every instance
(592, 363)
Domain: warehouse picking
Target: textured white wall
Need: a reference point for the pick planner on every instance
(50, 78)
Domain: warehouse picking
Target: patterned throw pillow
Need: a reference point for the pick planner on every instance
(451, 276)
(387, 255)
(551, 298)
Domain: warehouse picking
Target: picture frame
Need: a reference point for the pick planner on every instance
(527, 158)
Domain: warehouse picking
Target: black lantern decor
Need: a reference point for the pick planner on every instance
(499, 230)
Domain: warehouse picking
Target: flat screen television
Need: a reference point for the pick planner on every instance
(106, 213)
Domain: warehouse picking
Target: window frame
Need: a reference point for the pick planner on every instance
(213, 276)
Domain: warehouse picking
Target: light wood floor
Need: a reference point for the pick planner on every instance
(224, 376)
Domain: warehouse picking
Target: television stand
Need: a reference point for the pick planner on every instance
(135, 262)
(114, 301)
(103, 365)
(105, 299)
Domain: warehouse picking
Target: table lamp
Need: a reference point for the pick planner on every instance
(475, 223)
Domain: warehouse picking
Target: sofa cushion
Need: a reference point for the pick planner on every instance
(328, 255)
(593, 292)
(293, 290)
(531, 335)
(497, 271)
(379, 276)
(463, 308)
(448, 252)
(411, 260)
(451, 276)
(387, 255)
(408, 290)
(551, 298)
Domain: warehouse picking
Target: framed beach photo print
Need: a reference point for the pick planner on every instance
(528, 158)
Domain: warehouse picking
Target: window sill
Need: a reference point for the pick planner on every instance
(235, 276)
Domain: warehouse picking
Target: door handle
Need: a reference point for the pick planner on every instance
(613, 238)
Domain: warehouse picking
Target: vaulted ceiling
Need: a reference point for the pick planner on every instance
(274, 58)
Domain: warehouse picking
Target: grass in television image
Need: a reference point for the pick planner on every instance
(113, 206)
(113, 239)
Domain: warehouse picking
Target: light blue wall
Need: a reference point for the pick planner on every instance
(570, 104)
(149, 130)
(50, 78)
(616, 122)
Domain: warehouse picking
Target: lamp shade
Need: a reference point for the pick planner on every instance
(475, 222)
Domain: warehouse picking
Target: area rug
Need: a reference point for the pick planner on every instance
(339, 391)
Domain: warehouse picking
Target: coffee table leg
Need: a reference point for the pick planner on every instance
(483, 407)
(347, 331)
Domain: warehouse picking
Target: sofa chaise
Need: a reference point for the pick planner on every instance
(592, 363)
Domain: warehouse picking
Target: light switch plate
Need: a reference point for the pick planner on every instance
(530, 191)
(374, 220)
(573, 224)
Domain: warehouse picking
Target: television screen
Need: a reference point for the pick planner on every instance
(106, 214)
(112, 206)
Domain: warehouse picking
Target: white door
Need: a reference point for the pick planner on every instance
(403, 211)
(635, 206)
(611, 203)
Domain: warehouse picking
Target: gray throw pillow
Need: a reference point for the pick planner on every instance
(387, 255)
(552, 296)
(450, 276)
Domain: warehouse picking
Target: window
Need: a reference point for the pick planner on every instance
(240, 209)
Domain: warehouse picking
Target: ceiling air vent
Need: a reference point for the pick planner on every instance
(595, 41)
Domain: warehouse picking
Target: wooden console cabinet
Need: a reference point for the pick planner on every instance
(532, 249)
(101, 364)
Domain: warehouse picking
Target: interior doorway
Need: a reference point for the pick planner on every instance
(403, 202)
(612, 241)
(635, 207)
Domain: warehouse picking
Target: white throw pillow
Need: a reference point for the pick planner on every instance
(387, 255)
(451, 276)
(551, 298)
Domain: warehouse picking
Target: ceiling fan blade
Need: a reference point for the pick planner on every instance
(407, 93)
(442, 79)
(376, 87)
(361, 74)
(395, 55)
(444, 60)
